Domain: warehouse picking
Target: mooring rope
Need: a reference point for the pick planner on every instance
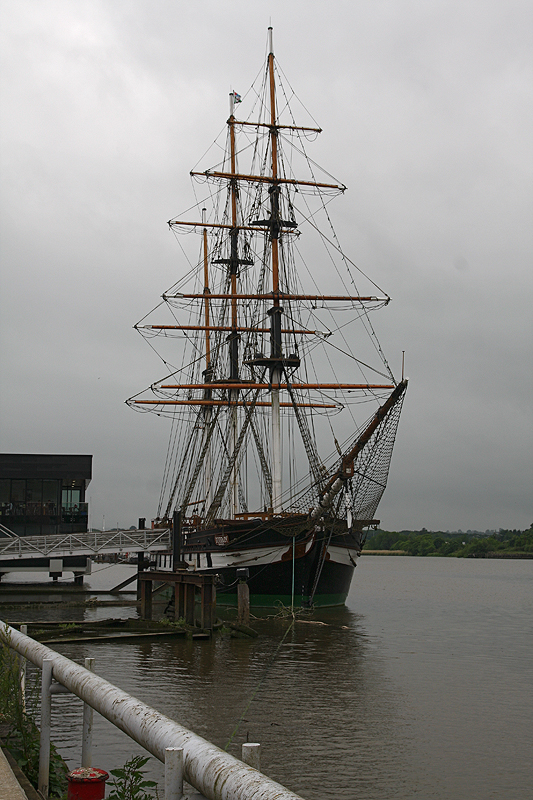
(265, 673)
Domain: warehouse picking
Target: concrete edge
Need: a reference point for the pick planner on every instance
(27, 790)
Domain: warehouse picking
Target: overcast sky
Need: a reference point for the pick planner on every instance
(426, 108)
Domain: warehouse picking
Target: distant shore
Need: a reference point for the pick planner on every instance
(472, 544)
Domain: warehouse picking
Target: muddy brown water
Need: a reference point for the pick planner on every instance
(421, 687)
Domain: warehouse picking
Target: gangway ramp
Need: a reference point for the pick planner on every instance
(34, 553)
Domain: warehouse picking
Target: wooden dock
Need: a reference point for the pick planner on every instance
(186, 583)
(106, 630)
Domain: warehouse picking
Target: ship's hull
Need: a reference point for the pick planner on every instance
(271, 585)
(315, 573)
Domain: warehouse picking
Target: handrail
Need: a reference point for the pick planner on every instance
(214, 773)
(7, 531)
(84, 542)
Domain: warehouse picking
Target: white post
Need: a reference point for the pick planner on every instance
(46, 721)
(251, 754)
(173, 773)
(23, 663)
(87, 738)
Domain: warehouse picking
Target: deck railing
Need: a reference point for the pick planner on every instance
(210, 770)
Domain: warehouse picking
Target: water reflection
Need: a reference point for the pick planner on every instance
(318, 702)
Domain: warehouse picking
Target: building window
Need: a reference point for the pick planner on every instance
(50, 498)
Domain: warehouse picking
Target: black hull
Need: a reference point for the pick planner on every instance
(272, 584)
(288, 563)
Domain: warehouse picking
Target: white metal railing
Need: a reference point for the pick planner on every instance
(213, 772)
(85, 543)
(6, 531)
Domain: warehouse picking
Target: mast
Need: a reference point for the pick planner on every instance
(208, 372)
(206, 302)
(233, 338)
(276, 311)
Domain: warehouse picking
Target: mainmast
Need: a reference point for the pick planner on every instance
(208, 372)
(234, 247)
(276, 311)
(234, 336)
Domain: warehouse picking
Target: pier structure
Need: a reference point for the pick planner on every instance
(72, 552)
(217, 775)
(185, 584)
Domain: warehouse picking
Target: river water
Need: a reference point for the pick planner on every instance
(422, 687)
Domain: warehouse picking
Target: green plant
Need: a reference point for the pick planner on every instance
(23, 738)
(172, 623)
(23, 742)
(10, 689)
(129, 783)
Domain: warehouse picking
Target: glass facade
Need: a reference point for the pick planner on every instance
(34, 506)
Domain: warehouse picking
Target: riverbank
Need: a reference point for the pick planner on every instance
(472, 544)
(494, 554)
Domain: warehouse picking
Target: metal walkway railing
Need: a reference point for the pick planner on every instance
(213, 772)
(88, 543)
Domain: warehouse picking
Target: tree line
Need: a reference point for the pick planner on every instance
(457, 543)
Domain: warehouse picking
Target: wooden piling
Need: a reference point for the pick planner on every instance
(140, 567)
(146, 596)
(243, 603)
(189, 603)
(208, 605)
(185, 584)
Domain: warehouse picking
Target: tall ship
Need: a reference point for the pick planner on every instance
(283, 407)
